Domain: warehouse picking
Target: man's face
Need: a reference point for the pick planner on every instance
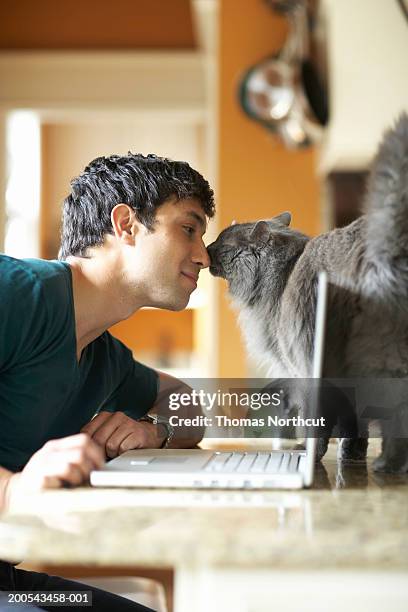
(165, 263)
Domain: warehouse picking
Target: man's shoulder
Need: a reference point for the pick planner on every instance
(35, 307)
(37, 289)
(23, 274)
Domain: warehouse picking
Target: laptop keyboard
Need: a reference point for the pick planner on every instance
(256, 463)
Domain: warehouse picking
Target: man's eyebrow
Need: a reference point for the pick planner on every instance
(197, 217)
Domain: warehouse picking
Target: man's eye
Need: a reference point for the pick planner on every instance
(187, 228)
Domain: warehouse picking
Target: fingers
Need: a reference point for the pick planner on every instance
(133, 440)
(111, 429)
(86, 449)
(70, 460)
(66, 460)
(91, 427)
(102, 426)
(141, 435)
(113, 445)
(124, 439)
(67, 472)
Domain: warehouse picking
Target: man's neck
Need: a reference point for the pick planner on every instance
(100, 299)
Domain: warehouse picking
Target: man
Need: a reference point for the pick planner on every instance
(132, 236)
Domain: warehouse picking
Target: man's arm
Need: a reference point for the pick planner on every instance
(5, 476)
(116, 432)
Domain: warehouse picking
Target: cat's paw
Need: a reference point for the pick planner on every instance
(379, 464)
(394, 458)
(389, 466)
(352, 449)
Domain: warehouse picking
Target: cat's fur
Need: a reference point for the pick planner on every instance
(272, 275)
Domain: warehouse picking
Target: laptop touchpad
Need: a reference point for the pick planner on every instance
(166, 461)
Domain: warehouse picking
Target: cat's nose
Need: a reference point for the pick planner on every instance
(211, 251)
(214, 267)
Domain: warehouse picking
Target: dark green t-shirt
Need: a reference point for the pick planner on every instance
(44, 392)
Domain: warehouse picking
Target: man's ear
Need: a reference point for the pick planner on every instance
(124, 223)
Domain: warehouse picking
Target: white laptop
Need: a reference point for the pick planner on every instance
(177, 468)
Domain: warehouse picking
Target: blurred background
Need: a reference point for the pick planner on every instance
(186, 79)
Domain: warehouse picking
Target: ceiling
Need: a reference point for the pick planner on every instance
(96, 24)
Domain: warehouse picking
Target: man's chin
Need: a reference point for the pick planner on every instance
(175, 304)
(181, 305)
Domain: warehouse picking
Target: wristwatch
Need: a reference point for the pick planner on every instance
(157, 419)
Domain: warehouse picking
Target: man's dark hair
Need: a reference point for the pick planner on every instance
(142, 182)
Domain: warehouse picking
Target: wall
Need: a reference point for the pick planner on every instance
(66, 149)
(368, 81)
(257, 176)
(157, 332)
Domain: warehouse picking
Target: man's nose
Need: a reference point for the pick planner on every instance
(202, 257)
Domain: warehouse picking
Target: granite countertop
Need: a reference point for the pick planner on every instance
(351, 518)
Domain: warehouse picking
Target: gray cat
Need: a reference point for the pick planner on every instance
(272, 276)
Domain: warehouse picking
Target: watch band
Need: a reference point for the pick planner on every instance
(157, 419)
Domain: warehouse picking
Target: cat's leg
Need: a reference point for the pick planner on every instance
(322, 444)
(353, 436)
(394, 456)
(327, 410)
(310, 403)
(394, 452)
(338, 409)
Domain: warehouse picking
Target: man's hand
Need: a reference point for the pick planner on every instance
(64, 461)
(116, 433)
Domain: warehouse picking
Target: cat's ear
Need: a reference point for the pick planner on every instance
(284, 218)
(260, 233)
